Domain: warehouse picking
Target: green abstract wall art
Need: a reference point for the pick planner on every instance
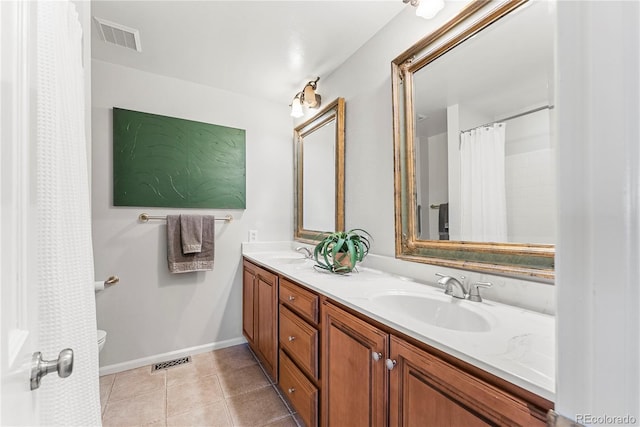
(169, 162)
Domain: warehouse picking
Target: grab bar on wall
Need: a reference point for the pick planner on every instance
(144, 217)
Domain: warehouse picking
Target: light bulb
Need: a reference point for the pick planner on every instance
(296, 108)
(427, 9)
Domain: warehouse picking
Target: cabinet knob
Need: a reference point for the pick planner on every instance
(291, 298)
(376, 355)
(291, 390)
(291, 338)
(391, 364)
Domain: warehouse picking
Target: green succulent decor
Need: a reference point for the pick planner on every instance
(340, 251)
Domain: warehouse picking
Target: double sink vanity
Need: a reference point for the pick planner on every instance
(371, 348)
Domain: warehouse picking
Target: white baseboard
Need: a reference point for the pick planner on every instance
(137, 363)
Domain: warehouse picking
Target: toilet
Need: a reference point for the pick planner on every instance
(102, 337)
(99, 287)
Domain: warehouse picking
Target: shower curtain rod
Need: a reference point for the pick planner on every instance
(515, 116)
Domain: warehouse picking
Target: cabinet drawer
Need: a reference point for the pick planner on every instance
(302, 394)
(300, 340)
(300, 300)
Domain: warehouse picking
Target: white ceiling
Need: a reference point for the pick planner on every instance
(265, 49)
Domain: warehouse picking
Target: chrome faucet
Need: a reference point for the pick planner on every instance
(452, 286)
(456, 288)
(306, 251)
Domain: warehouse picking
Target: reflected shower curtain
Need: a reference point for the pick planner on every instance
(482, 184)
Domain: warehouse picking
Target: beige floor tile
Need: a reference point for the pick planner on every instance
(106, 383)
(213, 415)
(145, 409)
(257, 408)
(231, 358)
(201, 366)
(194, 394)
(184, 397)
(283, 422)
(128, 384)
(242, 380)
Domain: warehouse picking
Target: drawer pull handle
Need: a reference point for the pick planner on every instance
(391, 364)
(291, 390)
(291, 298)
(376, 356)
(291, 338)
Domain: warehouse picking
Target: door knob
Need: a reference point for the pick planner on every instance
(39, 368)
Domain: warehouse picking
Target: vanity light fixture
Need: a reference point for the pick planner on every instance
(307, 97)
(296, 106)
(426, 8)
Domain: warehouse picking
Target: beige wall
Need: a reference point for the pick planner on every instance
(151, 312)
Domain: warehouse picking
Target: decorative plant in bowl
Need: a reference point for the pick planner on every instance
(340, 251)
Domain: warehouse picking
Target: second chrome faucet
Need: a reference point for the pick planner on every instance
(307, 252)
(457, 289)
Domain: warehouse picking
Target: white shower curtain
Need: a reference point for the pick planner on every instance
(482, 184)
(66, 299)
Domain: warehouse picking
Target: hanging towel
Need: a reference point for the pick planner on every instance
(191, 233)
(443, 221)
(180, 262)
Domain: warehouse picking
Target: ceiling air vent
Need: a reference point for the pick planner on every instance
(119, 34)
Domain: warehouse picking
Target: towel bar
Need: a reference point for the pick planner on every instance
(144, 217)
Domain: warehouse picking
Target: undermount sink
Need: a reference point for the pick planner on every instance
(445, 312)
(291, 259)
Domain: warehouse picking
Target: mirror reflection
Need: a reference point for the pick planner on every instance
(318, 158)
(484, 154)
(475, 155)
(319, 154)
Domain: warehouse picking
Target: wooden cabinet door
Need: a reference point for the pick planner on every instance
(267, 320)
(354, 385)
(260, 314)
(248, 309)
(426, 391)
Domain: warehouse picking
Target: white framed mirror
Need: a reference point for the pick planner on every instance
(319, 168)
(474, 149)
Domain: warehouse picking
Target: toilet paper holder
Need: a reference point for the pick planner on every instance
(101, 286)
(111, 280)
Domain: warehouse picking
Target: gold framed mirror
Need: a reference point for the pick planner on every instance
(319, 170)
(473, 144)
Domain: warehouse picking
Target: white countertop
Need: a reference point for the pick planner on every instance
(519, 346)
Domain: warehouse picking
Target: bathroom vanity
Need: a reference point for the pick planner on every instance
(361, 349)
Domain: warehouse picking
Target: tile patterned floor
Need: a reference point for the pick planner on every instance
(226, 387)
